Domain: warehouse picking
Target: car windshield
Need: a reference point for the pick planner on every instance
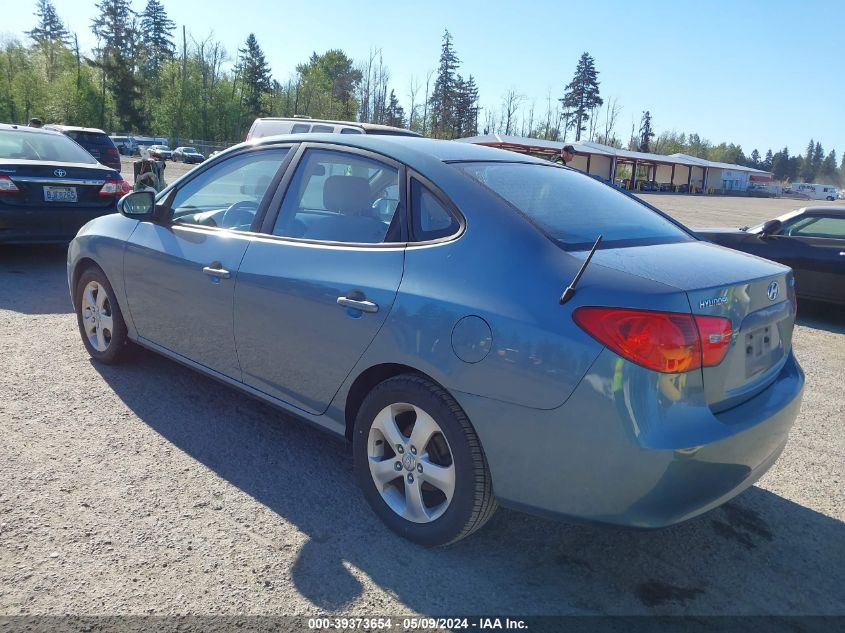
(574, 209)
(189, 150)
(15, 144)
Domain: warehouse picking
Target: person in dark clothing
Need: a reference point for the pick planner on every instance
(36, 122)
(567, 153)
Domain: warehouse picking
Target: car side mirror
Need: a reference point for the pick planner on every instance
(138, 205)
(771, 228)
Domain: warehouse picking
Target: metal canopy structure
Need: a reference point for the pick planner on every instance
(679, 172)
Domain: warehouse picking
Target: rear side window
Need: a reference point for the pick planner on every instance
(89, 138)
(322, 128)
(431, 219)
(351, 130)
(574, 209)
(300, 128)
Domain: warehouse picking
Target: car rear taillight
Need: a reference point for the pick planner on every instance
(114, 187)
(715, 335)
(7, 185)
(112, 151)
(669, 342)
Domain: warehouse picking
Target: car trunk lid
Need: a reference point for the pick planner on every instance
(754, 294)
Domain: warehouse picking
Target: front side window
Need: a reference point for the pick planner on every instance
(228, 195)
(816, 226)
(574, 209)
(340, 197)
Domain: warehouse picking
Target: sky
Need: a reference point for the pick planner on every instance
(760, 73)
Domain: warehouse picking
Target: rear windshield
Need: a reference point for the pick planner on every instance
(574, 209)
(41, 146)
(89, 138)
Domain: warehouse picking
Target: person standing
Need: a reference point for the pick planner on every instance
(567, 153)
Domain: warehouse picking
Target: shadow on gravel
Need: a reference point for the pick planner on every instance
(33, 279)
(759, 554)
(821, 316)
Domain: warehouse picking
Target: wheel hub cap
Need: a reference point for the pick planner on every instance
(409, 462)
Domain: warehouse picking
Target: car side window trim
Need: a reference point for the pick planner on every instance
(443, 199)
(165, 199)
(275, 203)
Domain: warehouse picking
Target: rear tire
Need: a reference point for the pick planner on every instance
(420, 463)
(99, 318)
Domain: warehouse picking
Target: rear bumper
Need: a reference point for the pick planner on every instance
(629, 448)
(41, 226)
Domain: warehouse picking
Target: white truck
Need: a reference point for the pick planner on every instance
(813, 191)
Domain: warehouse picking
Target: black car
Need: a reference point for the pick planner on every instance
(50, 186)
(810, 240)
(187, 155)
(96, 142)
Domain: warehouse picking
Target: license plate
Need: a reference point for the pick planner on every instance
(60, 194)
(759, 345)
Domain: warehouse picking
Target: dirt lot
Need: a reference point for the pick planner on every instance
(147, 488)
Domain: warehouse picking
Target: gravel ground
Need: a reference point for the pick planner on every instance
(147, 488)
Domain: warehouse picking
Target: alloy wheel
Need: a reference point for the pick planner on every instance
(97, 317)
(411, 463)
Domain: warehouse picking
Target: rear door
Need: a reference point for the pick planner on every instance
(313, 293)
(180, 274)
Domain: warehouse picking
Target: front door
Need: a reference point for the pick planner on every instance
(180, 275)
(311, 297)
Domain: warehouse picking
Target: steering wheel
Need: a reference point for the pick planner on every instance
(238, 214)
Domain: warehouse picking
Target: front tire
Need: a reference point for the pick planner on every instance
(98, 316)
(420, 463)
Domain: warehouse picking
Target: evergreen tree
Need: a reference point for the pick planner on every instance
(767, 161)
(818, 156)
(395, 112)
(808, 170)
(466, 107)
(116, 30)
(827, 171)
(754, 159)
(581, 95)
(254, 72)
(156, 36)
(780, 164)
(646, 132)
(49, 35)
(443, 97)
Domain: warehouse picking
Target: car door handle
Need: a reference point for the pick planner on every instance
(216, 270)
(363, 306)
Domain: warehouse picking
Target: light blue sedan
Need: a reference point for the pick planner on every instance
(450, 310)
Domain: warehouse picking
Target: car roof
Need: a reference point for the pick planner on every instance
(833, 210)
(73, 128)
(372, 128)
(407, 149)
(26, 128)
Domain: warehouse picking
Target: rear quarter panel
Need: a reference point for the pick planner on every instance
(503, 270)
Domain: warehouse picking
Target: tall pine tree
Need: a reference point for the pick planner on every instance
(117, 50)
(442, 101)
(646, 132)
(808, 169)
(254, 72)
(581, 95)
(49, 35)
(156, 37)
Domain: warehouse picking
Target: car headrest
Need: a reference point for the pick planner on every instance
(347, 195)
